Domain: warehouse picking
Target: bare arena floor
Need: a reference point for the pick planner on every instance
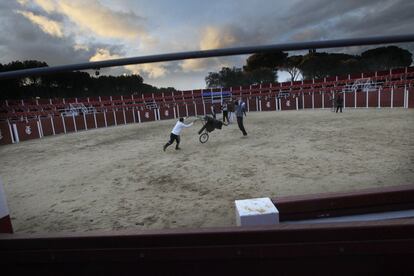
(119, 177)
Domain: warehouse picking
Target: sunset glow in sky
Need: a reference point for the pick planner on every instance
(74, 31)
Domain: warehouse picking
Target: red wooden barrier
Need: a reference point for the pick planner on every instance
(199, 108)
(191, 109)
(411, 97)
(398, 97)
(361, 99)
(373, 99)
(317, 99)
(120, 120)
(90, 121)
(385, 97)
(69, 123)
(100, 119)
(129, 116)
(47, 126)
(5, 134)
(327, 100)
(110, 118)
(181, 110)
(58, 124)
(307, 96)
(80, 122)
(253, 106)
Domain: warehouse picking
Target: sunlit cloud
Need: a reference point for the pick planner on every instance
(92, 16)
(211, 38)
(152, 70)
(47, 25)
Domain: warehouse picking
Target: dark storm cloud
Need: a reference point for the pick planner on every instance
(22, 40)
(327, 19)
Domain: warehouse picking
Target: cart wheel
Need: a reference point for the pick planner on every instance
(203, 137)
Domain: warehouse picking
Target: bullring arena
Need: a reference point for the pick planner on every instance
(119, 178)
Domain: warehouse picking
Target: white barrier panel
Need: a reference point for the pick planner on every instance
(5, 222)
(256, 211)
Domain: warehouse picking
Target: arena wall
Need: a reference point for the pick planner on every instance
(396, 91)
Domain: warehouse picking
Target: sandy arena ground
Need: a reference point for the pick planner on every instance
(119, 178)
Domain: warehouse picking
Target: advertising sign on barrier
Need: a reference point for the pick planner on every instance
(147, 115)
(167, 112)
(287, 103)
(27, 130)
(268, 104)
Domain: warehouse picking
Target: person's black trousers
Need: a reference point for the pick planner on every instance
(225, 116)
(241, 127)
(172, 138)
(339, 107)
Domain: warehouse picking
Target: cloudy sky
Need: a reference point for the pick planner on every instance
(73, 31)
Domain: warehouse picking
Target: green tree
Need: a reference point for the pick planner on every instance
(320, 65)
(292, 66)
(226, 77)
(385, 58)
(272, 60)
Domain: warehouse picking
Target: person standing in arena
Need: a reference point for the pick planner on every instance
(213, 111)
(230, 108)
(175, 133)
(339, 103)
(240, 107)
(224, 108)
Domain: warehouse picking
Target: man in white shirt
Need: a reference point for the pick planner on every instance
(175, 133)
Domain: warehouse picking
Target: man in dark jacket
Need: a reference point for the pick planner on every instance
(240, 107)
(339, 103)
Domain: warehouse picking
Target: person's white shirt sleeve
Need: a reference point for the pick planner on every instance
(179, 127)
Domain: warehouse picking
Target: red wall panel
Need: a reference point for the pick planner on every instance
(70, 126)
(5, 135)
(47, 128)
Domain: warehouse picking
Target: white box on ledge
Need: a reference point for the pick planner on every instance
(256, 211)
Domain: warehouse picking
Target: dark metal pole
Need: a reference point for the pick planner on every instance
(211, 53)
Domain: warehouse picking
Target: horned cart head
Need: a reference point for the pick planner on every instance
(209, 125)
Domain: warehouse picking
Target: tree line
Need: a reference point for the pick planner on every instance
(69, 84)
(259, 68)
(263, 67)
